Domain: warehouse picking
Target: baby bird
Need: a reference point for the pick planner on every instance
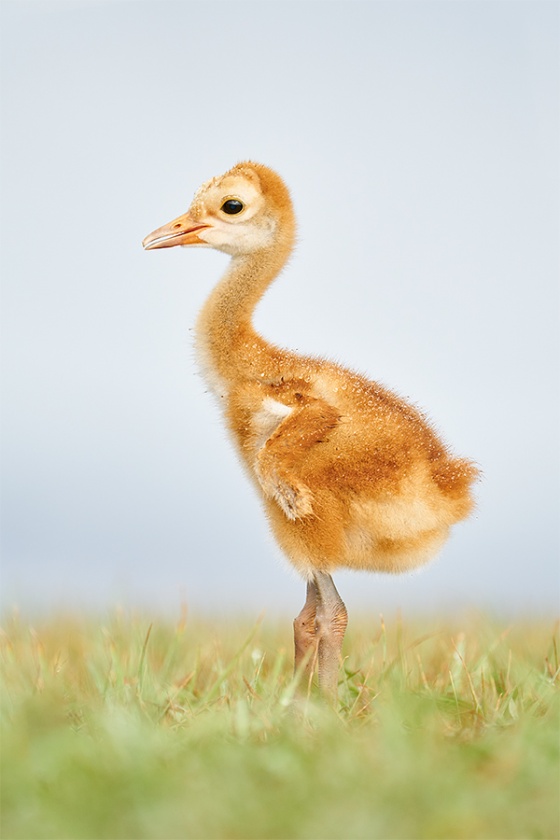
(350, 475)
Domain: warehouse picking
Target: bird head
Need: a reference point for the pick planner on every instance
(245, 210)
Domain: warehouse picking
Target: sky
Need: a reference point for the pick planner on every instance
(420, 144)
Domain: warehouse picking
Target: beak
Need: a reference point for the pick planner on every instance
(181, 231)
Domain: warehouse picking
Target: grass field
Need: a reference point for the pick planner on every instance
(130, 727)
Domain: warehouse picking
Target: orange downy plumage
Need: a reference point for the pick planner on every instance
(349, 473)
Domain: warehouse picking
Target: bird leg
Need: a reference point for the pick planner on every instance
(331, 619)
(305, 640)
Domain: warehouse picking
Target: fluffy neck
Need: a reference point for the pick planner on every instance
(229, 347)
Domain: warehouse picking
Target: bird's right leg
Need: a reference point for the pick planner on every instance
(305, 640)
(330, 626)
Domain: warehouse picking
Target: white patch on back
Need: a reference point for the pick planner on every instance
(267, 419)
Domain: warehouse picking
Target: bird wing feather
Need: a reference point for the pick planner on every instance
(278, 462)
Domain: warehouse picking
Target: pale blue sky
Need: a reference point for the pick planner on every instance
(420, 142)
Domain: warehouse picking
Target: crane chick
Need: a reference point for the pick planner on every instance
(350, 475)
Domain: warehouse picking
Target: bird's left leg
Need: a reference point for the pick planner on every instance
(305, 640)
(330, 625)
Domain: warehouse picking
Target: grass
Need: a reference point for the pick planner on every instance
(136, 728)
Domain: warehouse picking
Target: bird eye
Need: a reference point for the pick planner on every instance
(232, 206)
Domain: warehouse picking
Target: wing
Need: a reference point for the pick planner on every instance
(278, 461)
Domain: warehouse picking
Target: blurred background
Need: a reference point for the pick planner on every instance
(420, 143)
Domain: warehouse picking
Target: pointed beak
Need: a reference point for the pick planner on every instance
(181, 231)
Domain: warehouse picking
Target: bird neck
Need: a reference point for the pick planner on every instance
(229, 347)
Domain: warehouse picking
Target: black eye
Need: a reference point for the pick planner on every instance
(232, 206)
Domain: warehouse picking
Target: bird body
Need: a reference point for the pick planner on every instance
(350, 474)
